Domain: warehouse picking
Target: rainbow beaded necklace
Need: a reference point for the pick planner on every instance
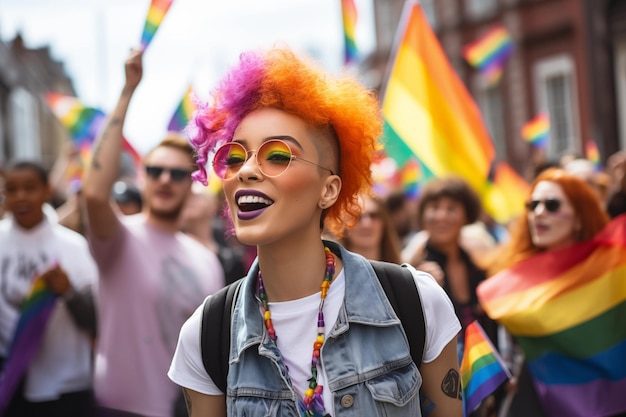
(313, 400)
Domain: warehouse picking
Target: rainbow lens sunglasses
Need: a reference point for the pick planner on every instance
(550, 204)
(273, 158)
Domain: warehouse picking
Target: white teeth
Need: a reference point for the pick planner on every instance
(249, 199)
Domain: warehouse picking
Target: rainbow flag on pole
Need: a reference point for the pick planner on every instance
(593, 154)
(183, 113)
(429, 114)
(567, 310)
(35, 312)
(156, 13)
(490, 52)
(537, 130)
(348, 11)
(482, 368)
(83, 123)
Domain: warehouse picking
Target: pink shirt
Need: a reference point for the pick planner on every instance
(151, 281)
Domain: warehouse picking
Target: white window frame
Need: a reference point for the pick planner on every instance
(620, 85)
(24, 123)
(476, 9)
(544, 70)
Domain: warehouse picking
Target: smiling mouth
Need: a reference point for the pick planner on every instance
(249, 203)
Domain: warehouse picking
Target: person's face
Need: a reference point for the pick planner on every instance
(25, 197)
(443, 219)
(551, 217)
(168, 182)
(265, 209)
(368, 231)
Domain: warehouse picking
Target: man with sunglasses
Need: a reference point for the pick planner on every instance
(151, 275)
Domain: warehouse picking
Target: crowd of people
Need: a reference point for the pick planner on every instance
(131, 264)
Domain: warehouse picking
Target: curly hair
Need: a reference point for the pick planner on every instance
(455, 188)
(587, 208)
(279, 79)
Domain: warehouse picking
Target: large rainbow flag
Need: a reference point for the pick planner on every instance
(183, 113)
(27, 337)
(156, 13)
(430, 114)
(349, 14)
(482, 368)
(490, 52)
(567, 310)
(83, 123)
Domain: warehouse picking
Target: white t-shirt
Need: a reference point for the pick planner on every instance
(63, 362)
(296, 320)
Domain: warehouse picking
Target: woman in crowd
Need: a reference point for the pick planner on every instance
(562, 248)
(373, 235)
(294, 146)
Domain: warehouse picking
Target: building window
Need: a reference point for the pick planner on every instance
(490, 102)
(24, 123)
(429, 9)
(476, 9)
(620, 82)
(556, 94)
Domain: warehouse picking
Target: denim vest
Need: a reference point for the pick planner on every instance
(366, 356)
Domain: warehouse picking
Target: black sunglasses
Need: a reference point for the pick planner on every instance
(551, 204)
(176, 174)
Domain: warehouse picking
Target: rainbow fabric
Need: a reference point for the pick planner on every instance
(490, 52)
(567, 310)
(34, 315)
(482, 368)
(83, 123)
(593, 154)
(348, 11)
(156, 13)
(430, 114)
(183, 113)
(537, 130)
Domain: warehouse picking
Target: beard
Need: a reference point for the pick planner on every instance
(170, 215)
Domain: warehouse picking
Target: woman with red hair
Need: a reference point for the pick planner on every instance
(293, 146)
(542, 280)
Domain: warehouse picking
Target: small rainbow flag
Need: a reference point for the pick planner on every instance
(83, 123)
(537, 130)
(348, 11)
(482, 368)
(34, 314)
(410, 178)
(567, 310)
(490, 52)
(183, 113)
(593, 154)
(156, 13)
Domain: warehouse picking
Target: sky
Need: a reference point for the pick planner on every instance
(196, 43)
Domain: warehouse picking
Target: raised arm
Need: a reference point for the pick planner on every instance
(442, 383)
(105, 164)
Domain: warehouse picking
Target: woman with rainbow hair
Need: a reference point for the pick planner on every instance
(312, 331)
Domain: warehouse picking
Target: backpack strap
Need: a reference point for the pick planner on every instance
(215, 332)
(403, 294)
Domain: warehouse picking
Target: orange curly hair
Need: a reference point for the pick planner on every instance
(278, 78)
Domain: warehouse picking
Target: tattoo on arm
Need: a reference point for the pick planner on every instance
(187, 400)
(426, 405)
(451, 384)
(96, 152)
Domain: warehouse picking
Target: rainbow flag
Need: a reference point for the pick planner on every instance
(593, 154)
(429, 114)
(34, 314)
(183, 113)
(537, 130)
(410, 178)
(490, 52)
(83, 123)
(348, 11)
(506, 193)
(567, 310)
(482, 368)
(156, 13)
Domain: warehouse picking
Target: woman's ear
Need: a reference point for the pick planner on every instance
(330, 191)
